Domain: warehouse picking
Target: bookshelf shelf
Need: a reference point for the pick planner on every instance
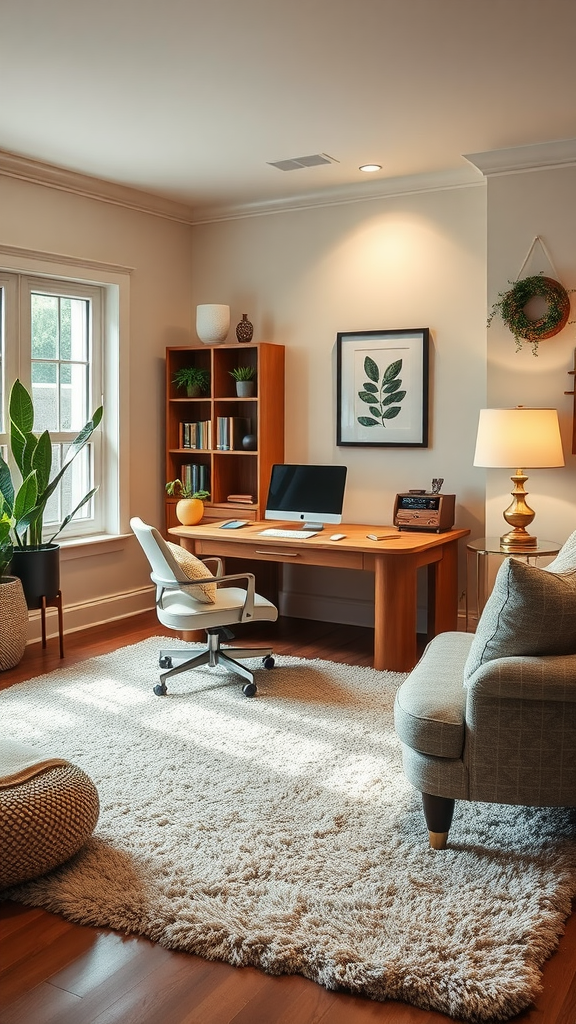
(224, 464)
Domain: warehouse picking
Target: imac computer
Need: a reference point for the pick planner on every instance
(311, 495)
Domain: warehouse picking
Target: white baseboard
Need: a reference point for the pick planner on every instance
(85, 614)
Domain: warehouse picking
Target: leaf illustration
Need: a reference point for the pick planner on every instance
(397, 397)
(392, 371)
(371, 370)
(382, 396)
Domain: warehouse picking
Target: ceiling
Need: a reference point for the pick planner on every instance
(191, 100)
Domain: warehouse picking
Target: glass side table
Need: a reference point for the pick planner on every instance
(478, 553)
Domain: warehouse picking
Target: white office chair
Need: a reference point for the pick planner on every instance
(178, 608)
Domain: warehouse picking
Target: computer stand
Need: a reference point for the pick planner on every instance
(313, 526)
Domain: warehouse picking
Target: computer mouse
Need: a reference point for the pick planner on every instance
(338, 536)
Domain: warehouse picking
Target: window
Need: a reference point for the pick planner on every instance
(52, 338)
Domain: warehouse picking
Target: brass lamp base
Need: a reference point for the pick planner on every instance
(519, 515)
(518, 540)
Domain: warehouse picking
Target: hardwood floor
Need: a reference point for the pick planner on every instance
(55, 972)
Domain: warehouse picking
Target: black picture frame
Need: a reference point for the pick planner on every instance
(382, 388)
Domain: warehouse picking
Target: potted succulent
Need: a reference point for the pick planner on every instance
(245, 377)
(190, 507)
(13, 608)
(35, 560)
(194, 379)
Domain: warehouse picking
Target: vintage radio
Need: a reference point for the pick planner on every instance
(424, 510)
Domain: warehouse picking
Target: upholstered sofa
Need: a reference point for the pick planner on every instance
(491, 716)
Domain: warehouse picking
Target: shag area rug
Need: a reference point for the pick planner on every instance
(280, 832)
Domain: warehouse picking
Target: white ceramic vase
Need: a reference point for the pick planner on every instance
(212, 323)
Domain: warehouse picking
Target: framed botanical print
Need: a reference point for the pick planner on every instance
(382, 388)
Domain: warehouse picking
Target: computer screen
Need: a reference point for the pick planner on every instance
(307, 494)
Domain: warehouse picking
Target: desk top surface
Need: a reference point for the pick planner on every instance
(356, 536)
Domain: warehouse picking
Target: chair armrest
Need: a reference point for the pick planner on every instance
(549, 677)
(247, 607)
(218, 569)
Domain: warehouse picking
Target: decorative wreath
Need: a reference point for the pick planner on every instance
(511, 306)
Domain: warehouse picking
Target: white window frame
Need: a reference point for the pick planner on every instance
(67, 273)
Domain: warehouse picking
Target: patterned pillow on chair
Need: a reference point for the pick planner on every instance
(530, 612)
(194, 570)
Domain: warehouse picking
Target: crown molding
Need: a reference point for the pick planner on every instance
(384, 188)
(51, 176)
(538, 157)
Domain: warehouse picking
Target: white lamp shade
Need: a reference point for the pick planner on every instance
(513, 438)
(212, 322)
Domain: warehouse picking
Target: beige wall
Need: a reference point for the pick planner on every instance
(410, 261)
(112, 582)
(522, 206)
(417, 260)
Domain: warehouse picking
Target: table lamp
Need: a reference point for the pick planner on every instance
(527, 438)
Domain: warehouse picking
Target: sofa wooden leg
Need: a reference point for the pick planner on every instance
(438, 811)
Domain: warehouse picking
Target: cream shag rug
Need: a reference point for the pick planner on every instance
(280, 832)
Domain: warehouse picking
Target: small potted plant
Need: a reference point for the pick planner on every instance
(245, 380)
(194, 379)
(35, 560)
(190, 507)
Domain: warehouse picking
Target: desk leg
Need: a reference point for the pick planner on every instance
(395, 644)
(443, 592)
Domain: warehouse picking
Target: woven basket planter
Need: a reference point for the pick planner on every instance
(13, 622)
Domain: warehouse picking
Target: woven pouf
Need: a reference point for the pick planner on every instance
(48, 809)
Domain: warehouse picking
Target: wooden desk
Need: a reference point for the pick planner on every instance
(394, 560)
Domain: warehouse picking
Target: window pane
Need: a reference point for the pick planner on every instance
(78, 328)
(73, 395)
(75, 483)
(44, 310)
(45, 396)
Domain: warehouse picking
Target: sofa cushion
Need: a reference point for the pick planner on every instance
(565, 560)
(194, 569)
(430, 703)
(531, 611)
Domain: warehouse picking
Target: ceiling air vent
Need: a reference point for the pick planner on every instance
(302, 161)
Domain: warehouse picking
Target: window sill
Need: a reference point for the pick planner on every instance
(85, 547)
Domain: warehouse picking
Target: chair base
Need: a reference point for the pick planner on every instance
(213, 655)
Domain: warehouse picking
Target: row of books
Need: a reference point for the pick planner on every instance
(195, 435)
(195, 477)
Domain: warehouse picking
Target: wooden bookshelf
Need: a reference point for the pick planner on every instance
(234, 470)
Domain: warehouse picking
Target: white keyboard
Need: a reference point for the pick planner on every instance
(294, 534)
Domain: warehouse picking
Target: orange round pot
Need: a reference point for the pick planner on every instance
(189, 511)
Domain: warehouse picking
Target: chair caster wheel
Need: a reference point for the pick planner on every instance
(249, 689)
(165, 662)
(161, 689)
(268, 661)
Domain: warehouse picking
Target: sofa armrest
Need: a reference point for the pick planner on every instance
(545, 678)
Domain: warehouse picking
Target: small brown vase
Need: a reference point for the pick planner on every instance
(244, 330)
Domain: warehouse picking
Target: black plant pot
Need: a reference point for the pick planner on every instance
(39, 570)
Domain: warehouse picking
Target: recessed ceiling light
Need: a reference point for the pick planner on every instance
(370, 167)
